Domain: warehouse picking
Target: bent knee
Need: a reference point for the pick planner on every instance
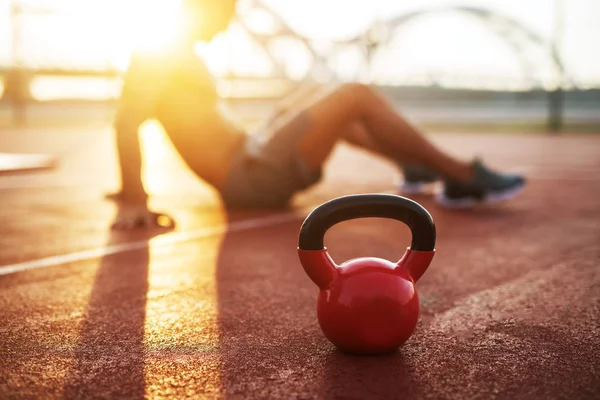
(356, 95)
(355, 89)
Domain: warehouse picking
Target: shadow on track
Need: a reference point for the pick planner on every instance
(270, 343)
(109, 357)
(358, 377)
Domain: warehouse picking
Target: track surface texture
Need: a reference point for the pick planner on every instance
(221, 308)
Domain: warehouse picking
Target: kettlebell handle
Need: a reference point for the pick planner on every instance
(411, 213)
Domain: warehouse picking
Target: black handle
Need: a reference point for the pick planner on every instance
(344, 208)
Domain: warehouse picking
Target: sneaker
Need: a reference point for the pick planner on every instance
(417, 180)
(488, 187)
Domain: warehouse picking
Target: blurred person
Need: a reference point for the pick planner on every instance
(265, 171)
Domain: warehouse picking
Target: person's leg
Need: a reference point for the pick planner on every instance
(357, 135)
(416, 179)
(351, 104)
(356, 113)
(354, 133)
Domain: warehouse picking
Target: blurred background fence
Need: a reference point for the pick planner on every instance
(483, 64)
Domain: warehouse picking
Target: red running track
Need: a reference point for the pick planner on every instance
(223, 309)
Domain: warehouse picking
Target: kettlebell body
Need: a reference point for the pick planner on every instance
(367, 305)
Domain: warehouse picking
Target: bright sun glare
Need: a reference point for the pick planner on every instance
(139, 24)
(101, 34)
(154, 23)
(107, 31)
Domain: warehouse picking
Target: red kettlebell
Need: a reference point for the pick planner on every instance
(367, 305)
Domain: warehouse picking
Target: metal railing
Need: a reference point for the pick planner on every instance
(18, 75)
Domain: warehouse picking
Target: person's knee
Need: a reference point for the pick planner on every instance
(356, 95)
(358, 90)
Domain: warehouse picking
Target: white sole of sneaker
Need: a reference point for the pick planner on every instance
(469, 202)
(411, 188)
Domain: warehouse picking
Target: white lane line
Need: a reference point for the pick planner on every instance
(589, 175)
(167, 239)
(179, 237)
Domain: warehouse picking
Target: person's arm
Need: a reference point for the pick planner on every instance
(141, 88)
(130, 159)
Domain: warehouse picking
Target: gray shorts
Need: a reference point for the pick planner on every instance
(267, 174)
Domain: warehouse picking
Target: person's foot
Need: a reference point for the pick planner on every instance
(417, 180)
(487, 187)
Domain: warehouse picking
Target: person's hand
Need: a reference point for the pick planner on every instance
(140, 217)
